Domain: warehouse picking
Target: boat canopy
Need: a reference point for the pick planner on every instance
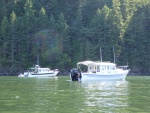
(87, 63)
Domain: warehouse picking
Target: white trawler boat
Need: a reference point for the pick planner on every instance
(98, 70)
(37, 71)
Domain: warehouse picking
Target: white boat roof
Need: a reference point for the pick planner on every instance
(38, 68)
(95, 63)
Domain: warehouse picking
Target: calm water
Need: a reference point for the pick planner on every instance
(59, 95)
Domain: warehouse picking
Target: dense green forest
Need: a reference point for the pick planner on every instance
(60, 33)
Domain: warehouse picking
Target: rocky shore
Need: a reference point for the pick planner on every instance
(16, 72)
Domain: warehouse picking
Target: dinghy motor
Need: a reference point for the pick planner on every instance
(75, 75)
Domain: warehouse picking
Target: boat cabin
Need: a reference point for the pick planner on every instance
(100, 67)
(97, 66)
(37, 69)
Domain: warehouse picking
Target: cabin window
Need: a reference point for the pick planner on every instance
(98, 68)
(91, 68)
(103, 68)
(107, 67)
(36, 71)
(113, 67)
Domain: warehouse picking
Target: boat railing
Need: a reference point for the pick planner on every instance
(123, 67)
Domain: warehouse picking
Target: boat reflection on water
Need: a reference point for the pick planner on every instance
(106, 95)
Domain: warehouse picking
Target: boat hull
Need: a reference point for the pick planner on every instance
(104, 76)
(52, 74)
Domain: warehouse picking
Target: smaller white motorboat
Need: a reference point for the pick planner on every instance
(37, 71)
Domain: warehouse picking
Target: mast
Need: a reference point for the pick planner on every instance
(100, 54)
(114, 55)
(37, 60)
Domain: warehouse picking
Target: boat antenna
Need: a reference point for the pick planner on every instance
(37, 60)
(114, 54)
(100, 54)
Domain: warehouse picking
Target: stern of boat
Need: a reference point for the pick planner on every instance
(25, 74)
(75, 75)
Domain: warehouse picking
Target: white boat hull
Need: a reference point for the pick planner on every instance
(26, 74)
(104, 76)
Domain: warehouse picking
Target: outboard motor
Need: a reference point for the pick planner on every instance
(75, 75)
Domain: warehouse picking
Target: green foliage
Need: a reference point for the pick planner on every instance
(3, 37)
(59, 33)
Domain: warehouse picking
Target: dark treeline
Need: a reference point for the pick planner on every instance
(62, 32)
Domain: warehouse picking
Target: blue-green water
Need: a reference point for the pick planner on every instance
(59, 95)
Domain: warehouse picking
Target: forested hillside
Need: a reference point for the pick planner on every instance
(59, 33)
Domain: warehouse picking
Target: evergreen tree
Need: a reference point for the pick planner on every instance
(13, 21)
(43, 20)
(4, 37)
(61, 32)
(30, 23)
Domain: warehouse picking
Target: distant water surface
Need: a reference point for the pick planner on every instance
(60, 95)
